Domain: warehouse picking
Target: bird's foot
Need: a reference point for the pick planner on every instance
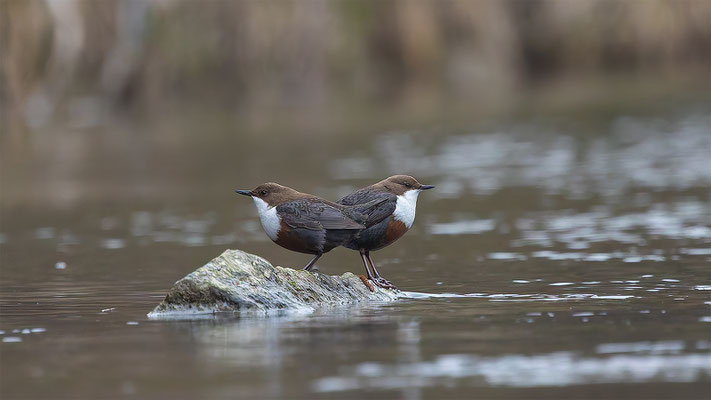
(384, 283)
(366, 282)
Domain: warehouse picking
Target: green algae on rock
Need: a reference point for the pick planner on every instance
(239, 281)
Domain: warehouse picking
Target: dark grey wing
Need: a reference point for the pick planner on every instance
(315, 216)
(366, 196)
(360, 196)
(374, 211)
(382, 210)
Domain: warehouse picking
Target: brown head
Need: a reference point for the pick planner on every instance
(399, 184)
(273, 193)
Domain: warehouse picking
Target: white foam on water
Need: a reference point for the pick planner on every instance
(598, 257)
(515, 296)
(584, 314)
(113, 243)
(466, 227)
(613, 297)
(554, 255)
(697, 252)
(551, 369)
(674, 346)
(506, 256)
(44, 233)
(421, 295)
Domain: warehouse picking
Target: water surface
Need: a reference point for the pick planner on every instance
(568, 261)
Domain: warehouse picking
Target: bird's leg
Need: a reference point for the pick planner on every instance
(379, 280)
(365, 264)
(372, 265)
(312, 262)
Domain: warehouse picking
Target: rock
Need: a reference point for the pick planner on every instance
(239, 281)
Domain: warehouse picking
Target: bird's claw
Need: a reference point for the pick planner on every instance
(384, 283)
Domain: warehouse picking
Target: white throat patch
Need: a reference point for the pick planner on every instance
(405, 207)
(269, 217)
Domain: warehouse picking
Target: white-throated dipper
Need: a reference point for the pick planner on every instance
(305, 223)
(387, 221)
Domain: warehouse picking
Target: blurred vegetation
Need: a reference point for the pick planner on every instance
(262, 57)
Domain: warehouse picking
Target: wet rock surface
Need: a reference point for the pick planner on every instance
(240, 281)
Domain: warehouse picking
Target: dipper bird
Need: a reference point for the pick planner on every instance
(387, 221)
(305, 223)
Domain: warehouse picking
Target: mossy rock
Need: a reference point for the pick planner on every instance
(237, 281)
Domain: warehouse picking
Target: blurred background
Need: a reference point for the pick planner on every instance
(569, 141)
(152, 81)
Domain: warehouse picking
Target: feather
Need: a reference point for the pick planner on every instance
(315, 215)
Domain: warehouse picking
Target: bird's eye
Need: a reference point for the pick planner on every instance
(408, 185)
(262, 192)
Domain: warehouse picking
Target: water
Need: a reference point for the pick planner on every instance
(554, 260)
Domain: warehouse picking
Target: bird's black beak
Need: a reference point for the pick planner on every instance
(425, 187)
(244, 192)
